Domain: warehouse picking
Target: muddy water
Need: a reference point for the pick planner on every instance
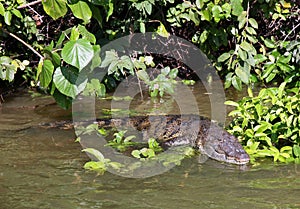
(42, 169)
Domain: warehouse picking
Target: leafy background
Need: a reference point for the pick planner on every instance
(46, 44)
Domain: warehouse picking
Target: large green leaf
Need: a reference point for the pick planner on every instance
(223, 57)
(296, 150)
(253, 23)
(248, 47)
(2, 9)
(62, 100)
(95, 153)
(55, 8)
(65, 80)
(242, 54)
(82, 11)
(242, 18)
(216, 11)
(243, 74)
(161, 30)
(96, 61)
(17, 13)
(78, 53)
(86, 34)
(97, 14)
(7, 17)
(143, 75)
(107, 4)
(236, 82)
(269, 43)
(46, 74)
(236, 6)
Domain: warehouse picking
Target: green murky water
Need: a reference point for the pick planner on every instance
(42, 169)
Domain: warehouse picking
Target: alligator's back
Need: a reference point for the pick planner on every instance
(197, 131)
(174, 130)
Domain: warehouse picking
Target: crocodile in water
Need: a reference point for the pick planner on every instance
(173, 130)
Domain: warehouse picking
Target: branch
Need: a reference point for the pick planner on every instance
(29, 4)
(23, 42)
(294, 28)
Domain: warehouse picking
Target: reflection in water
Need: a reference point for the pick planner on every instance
(42, 168)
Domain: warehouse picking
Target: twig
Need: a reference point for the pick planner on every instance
(29, 4)
(23, 42)
(139, 83)
(294, 28)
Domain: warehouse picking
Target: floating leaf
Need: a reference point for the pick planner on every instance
(96, 153)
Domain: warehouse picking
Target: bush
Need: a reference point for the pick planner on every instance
(269, 124)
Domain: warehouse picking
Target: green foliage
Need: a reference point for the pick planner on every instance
(100, 164)
(8, 67)
(147, 152)
(234, 34)
(79, 53)
(250, 58)
(95, 88)
(150, 152)
(120, 142)
(246, 55)
(117, 65)
(268, 123)
(164, 82)
(55, 8)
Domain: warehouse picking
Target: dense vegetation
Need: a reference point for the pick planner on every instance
(46, 44)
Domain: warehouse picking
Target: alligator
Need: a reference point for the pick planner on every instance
(174, 130)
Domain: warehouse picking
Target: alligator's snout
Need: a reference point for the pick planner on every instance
(224, 147)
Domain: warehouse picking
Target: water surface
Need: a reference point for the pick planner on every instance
(42, 169)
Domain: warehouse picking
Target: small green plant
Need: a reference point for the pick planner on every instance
(90, 129)
(268, 124)
(147, 152)
(175, 155)
(120, 142)
(150, 152)
(94, 88)
(101, 164)
(164, 83)
(9, 67)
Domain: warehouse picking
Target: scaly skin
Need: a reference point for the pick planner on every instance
(174, 130)
(199, 132)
